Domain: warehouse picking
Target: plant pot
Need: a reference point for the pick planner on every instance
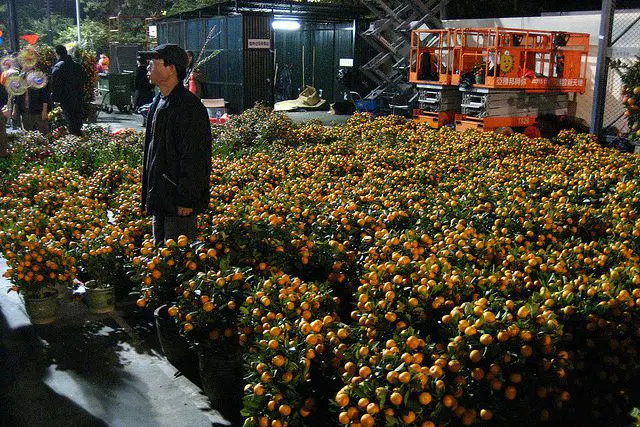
(221, 380)
(42, 310)
(101, 300)
(174, 346)
(92, 113)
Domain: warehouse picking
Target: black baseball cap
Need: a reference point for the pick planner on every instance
(171, 53)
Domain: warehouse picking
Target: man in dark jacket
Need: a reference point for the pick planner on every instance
(143, 89)
(67, 88)
(177, 152)
(4, 99)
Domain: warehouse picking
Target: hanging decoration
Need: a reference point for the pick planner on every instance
(7, 62)
(16, 85)
(36, 79)
(30, 38)
(28, 57)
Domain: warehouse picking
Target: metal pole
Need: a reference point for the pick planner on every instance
(602, 67)
(13, 25)
(353, 40)
(50, 28)
(78, 21)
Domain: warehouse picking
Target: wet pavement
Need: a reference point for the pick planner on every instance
(92, 370)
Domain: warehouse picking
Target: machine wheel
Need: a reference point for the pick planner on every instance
(532, 131)
(504, 130)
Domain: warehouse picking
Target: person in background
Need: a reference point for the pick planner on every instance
(194, 81)
(104, 62)
(31, 110)
(7, 109)
(67, 88)
(4, 99)
(143, 88)
(99, 68)
(177, 149)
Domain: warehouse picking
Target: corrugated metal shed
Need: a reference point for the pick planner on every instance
(258, 61)
(323, 46)
(247, 72)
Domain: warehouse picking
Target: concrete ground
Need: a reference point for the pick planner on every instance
(91, 370)
(118, 120)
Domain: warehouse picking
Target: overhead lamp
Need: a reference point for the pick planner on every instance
(285, 24)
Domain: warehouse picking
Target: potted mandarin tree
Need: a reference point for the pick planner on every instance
(100, 264)
(39, 269)
(208, 314)
(631, 95)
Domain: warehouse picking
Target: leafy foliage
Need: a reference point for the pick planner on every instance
(377, 273)
(631, 95)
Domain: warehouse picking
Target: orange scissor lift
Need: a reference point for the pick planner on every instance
(431, 56)
(506, 77)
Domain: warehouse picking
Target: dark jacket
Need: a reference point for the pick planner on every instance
(177, 155)
(4, 96)
(143, 88)
(37, 98)
(67, 83)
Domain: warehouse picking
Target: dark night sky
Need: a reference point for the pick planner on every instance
(510, 8)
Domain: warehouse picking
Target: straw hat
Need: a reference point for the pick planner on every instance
(308, 99)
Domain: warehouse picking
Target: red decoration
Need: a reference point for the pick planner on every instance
(193, 88)
(30, 38)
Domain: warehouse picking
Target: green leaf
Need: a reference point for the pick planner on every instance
(391, 421)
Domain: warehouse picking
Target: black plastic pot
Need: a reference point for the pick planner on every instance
(221, 381)
(174, 346)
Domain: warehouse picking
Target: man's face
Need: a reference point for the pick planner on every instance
(158, 72)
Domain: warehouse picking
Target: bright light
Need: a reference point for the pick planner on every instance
(287, 25)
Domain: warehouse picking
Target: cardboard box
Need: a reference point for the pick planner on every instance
(216, 107)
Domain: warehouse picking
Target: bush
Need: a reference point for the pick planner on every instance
(375, 273)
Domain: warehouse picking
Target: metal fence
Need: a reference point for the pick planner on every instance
(624, 49)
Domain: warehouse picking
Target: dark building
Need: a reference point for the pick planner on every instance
(258, 63)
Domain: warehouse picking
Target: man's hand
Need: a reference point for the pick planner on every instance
(184, 211)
